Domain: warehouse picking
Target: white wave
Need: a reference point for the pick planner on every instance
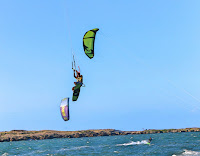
(133, 143)
(188, 153)
(80, 147)
(5, 154)
(73, 148)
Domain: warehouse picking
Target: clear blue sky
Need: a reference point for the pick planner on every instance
(145, 73)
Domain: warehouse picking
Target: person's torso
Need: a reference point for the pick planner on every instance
(80, 79)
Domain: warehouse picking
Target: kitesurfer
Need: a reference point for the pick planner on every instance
(78, 77)
(150, 139)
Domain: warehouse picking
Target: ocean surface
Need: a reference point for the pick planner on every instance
(169, 144)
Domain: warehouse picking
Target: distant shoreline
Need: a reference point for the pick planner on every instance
(19, 135)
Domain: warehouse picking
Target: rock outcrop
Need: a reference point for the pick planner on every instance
(18, 135)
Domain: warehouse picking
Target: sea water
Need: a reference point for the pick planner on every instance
(169, 144)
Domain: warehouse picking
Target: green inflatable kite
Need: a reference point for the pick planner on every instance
(88, 42)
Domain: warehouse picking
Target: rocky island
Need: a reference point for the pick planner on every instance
(19, 135)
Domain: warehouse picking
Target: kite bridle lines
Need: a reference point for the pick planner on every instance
(72, 50)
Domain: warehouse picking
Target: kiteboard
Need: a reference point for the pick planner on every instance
(148, 143)
(76, 91)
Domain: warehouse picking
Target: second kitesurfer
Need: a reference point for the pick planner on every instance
(150, 140)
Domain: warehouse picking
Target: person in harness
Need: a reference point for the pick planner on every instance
(150, 140)
(79, 78)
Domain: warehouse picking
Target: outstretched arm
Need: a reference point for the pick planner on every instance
(74, 74)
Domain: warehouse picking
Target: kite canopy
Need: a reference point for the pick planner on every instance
(88, 42)
(64, 109)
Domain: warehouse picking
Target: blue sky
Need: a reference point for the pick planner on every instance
(145, 73)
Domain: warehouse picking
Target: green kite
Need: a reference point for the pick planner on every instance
(88, 42)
